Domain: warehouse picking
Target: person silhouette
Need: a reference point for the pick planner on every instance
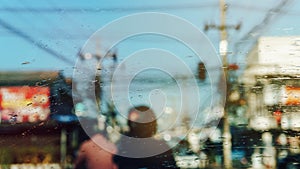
(96, 152)
(138, 149)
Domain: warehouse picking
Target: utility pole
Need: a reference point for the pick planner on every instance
(223, 48)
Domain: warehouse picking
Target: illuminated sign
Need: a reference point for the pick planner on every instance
(24, 104)
(291, 95)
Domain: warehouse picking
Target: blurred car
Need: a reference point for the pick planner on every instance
(187, 161)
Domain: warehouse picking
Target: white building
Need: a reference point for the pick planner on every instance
(273, 77)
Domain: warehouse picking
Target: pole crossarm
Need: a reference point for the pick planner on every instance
(223, 27)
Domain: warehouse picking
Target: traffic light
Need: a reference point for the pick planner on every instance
(201, 71)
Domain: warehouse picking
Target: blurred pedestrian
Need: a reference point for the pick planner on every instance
(139, 149)
(96, 153)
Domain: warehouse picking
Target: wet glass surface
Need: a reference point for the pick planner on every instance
(222, 78)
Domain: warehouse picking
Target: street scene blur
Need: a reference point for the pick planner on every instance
(173, 84)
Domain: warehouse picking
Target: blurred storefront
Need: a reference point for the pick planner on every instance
(273, 95)
(37, 129)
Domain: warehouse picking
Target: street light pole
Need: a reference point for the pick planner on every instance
(223, 49)
(223, 52)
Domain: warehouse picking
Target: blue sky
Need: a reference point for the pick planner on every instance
(64, 26)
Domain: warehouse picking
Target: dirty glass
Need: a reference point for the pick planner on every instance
(221, 78)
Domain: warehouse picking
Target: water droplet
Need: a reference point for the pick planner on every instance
(25, 63)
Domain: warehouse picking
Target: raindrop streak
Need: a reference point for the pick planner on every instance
(25, 63)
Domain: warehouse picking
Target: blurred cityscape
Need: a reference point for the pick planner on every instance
(249, 117)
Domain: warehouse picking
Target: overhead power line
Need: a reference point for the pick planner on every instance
(126, 9)
(35, 42)
(263, 9)
(247, 42)
(108, 9)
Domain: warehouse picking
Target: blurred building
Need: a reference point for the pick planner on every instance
(272, 77)
(272, 80)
